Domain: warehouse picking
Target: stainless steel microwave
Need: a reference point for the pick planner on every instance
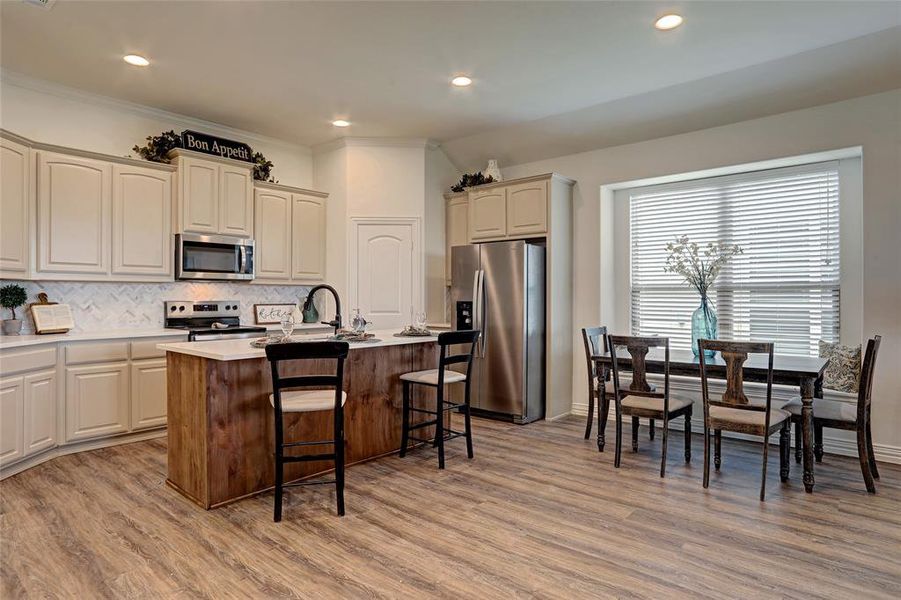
(213, 257)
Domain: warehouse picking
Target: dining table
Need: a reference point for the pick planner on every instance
(805, 372)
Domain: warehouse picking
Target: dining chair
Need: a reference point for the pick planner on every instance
(735, 413)
(437, 378)
(294, 395)
(599, 389)
(847, 416)
(640, 399)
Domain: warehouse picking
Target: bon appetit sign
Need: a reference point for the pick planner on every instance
(217, 146)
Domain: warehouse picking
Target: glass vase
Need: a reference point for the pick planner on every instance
(703, 326)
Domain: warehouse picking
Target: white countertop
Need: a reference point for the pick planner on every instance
(19, 341)
(240, 349)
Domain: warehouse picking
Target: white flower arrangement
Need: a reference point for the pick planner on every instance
(698, 267)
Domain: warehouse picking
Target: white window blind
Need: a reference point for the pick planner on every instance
(784, 287)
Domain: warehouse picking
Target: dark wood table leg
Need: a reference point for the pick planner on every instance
(807, 389)
(603, 406)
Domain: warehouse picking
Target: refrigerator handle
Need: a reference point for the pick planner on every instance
(482, 313)
(475, 299)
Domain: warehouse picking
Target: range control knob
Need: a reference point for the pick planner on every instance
(171, 309)
(181, 308)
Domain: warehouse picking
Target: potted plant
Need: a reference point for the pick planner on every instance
(700, 268)
(12, 296)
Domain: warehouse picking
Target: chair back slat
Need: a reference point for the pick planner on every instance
(466, 338)
(867, 370)
(735, 354)
(638, 348)
(595, 341)
(300, 351)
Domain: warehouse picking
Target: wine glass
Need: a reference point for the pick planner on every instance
(287, 328)
(420, 320)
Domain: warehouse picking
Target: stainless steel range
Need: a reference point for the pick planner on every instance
(210, 320)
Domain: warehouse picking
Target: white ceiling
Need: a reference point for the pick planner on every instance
(286, 69)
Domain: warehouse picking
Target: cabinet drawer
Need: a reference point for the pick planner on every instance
(27, 360)
(147, 348)
(101, 352)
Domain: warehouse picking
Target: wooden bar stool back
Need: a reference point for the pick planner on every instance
(847, 416)
(437, 378)
(599, 389)
(308, 393)
(733, 412)
(640, 399)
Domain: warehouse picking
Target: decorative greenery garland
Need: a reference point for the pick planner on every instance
(159, 146)
(472, 179)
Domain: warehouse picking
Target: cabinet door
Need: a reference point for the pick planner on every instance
(308, 233)
(457, 229)
(148, 393)
(11, 423)
(96, 400)
(527, 209)
(199, 195)
(142, 200)
(73, 214)
(40, 411)
(235, 201)
(272, 234)
(14, 203)
(488, 214)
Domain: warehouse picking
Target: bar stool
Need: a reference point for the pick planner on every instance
(437, 378)
(288, 398)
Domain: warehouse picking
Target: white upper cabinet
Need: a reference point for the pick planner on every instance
(235, 201)
(527, 209)
(214, 196)
(73, 214)
(272, 233)
(308, 229)
(15, 200)
(142, 225)
(198, 195)
(488, 213)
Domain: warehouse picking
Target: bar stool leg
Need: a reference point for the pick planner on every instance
(279, 469)
(468, 424)
(405, 429)
(339, 459)
(439, 427)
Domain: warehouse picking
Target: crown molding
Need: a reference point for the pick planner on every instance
(8, 77)
(379, 142)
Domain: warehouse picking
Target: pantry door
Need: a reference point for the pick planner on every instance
(385, 271)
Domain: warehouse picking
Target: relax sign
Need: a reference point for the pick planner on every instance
(208, 144)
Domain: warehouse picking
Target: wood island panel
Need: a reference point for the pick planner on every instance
(221, 429)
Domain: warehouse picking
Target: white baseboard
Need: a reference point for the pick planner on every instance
(831, 444)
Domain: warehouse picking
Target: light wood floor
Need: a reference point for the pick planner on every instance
(538, 513)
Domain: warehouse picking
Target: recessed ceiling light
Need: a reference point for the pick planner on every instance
(461, 81)
(667, 22)
(340, 123)
(136, 60)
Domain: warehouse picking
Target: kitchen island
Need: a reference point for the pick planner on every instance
(220, 421)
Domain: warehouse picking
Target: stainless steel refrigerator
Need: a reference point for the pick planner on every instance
(498, 288)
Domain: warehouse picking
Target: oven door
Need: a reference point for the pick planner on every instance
(213, 257)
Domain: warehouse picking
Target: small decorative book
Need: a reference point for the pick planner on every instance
(51, 317)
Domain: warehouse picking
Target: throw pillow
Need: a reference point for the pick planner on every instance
(843, 372)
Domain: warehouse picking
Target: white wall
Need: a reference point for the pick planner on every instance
(872, 122)
(440, 175)
(53, 114)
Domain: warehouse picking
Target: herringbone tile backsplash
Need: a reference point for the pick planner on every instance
(102, 306)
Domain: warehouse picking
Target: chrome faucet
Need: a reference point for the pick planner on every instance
(336, 322)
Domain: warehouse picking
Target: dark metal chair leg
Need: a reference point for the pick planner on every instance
(870, 454)
(818, 442)
(717, 448)
(784, 451)
(865, 460)
(799, 441)
(279, 468)
(590, 420)
(439, 428)
(405, 428)
(651, 429)
(635, 427)
(339, 460)
(468, 423)
(688, 437)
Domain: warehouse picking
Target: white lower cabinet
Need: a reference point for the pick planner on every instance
(12, 435)
(148, 393)
(96, 400)
(40, 411)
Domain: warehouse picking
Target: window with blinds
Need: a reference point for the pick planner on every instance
(784, 287)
